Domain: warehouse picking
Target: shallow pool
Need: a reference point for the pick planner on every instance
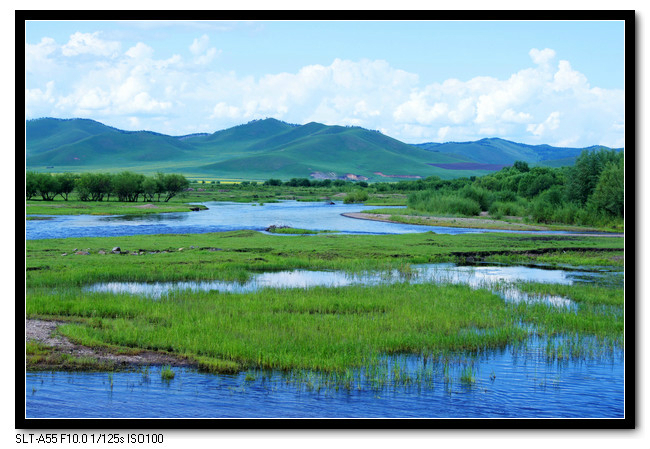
(509, 383)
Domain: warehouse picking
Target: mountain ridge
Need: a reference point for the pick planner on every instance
(267, 148)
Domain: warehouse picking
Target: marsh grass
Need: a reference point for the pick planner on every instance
(334, 329)
(343, 334)
(167, 373)
(295, 231)
(72, 207)
(234, 255)
(40, 357)
(611, 259)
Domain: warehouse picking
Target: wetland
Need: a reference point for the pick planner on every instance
(377, 319)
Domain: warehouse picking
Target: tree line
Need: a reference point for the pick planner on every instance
(591, 192)
(126, 186)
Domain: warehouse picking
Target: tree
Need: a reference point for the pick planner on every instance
(609, 194)
(31, 184)
(47, 186)
(583, 177)
(150, 188)
(67, 183)
(522, 166)
(94, 186)
(128, 186)
(174, 184)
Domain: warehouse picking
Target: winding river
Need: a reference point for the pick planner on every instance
(226, 216)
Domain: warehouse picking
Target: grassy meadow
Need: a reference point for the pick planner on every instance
(332, 331)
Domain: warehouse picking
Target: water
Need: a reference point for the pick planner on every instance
(223, 216)
(515, 382)
(498, 277)
(509, 383)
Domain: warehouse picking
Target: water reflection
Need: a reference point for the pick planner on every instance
(513, 382)
(224, 216)
(498, 278)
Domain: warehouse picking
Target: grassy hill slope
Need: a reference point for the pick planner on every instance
(270, 148)
(341, 150)
(500, 151)
(51, 133)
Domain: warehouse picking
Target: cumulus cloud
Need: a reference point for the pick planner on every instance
(140, 51)
(39, 102)
(551, 123)
(203, 54)
(45, 47)
(541, 56)
(548, 102)
(567, 78)
(90, 43)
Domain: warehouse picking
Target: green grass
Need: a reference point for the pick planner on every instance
(613, 259)
(322, 329)
(75, 207)
(295, 231)
(319, 329)
(260, 194)
(409, 215)
(328, 330)
(167, 373)
(234, 255)
(40, 357)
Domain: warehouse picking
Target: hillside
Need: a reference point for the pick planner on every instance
(270, 148)
(500, 151)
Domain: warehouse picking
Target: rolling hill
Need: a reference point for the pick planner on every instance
(270, 148)
(504, 152)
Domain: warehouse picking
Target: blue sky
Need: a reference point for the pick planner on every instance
(554, 82)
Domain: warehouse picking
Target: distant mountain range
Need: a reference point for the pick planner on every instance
(270, 148)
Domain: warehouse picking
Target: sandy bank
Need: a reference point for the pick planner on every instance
(469, 222)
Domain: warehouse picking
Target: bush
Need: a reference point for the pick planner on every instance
(357, 196)
(437, 202)
(482, 196)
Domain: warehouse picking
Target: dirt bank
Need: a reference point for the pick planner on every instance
(468, 222)
(43, 332)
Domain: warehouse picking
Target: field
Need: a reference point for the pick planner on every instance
(325, 330)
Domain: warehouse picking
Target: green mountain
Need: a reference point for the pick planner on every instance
(500, 151)
(49, 133)
(270, 148)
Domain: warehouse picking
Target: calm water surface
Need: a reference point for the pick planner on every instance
(494, 277)
(511, 383)
(223, 216)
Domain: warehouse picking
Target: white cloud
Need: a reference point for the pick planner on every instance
(39, 51)
(200, 45)
(547, 102)
(222, 110)
(203, 54)
(516, 117)
(442, 133)
(140, 51)
(38, 102)
(90, 43)
(567, 78)
(551, 123)
(541, 57)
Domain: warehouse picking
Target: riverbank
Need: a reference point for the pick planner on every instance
(51, 350)
(105, 208)
(475, 223)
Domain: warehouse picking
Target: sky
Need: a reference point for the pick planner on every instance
(538, 82)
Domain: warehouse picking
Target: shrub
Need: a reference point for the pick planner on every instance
(357, 196)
